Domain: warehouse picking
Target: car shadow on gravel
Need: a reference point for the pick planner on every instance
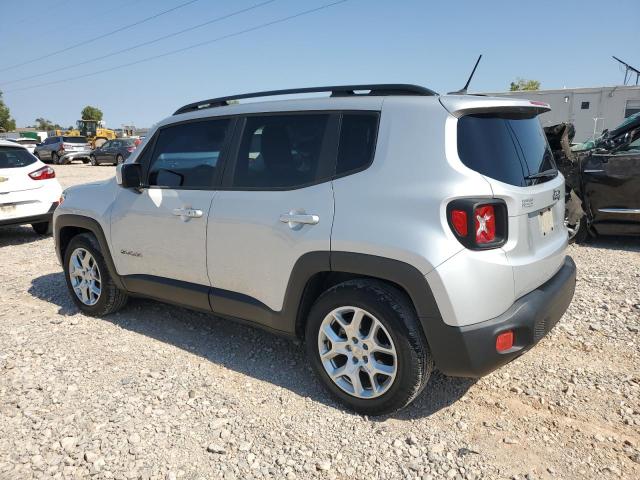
(18, 235)
(251, 351)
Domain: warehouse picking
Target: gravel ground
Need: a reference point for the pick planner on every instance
(157, 391)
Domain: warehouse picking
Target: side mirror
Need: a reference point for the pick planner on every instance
(129, 175)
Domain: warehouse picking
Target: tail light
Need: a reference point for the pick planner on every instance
(130, 149)
(43, 173)
(61, 147)
(479, 224)
(504, 341)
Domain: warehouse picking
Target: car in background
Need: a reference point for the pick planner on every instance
(29, 191)
(602, 179)
(28, 143)
(54, 148)
(113, 151)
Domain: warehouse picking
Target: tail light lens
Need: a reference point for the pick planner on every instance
(479, 224)
(504, 341)
(43, 173)
(130, 149)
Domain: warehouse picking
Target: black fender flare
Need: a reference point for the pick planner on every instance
(65, 220)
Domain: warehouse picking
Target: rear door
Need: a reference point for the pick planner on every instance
(510, 149)
(275, 206)
(159, 233)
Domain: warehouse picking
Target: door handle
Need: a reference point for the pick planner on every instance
(299, 219)
(187, 212)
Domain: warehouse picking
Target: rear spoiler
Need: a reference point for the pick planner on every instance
(460, 105)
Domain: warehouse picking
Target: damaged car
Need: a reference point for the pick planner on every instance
(602, 179)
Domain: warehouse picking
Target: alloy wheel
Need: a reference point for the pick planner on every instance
(357, 352)
(85, 277)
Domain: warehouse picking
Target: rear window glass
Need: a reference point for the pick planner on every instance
(15, 157)
(26, 142)
(357, 141)
(74, 139)
(505, 147)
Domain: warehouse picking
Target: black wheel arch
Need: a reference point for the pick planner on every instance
(67, 226)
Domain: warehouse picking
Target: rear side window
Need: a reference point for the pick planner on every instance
(74, 139)
(187, 155)
(506, 147)
(15, 157)
(280, 151)
(358, 134)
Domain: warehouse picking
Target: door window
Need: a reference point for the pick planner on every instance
(281, 152)
(187, 155)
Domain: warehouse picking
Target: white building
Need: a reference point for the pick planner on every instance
(591, 110)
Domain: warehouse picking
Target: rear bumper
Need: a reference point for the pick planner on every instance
(43, 217)
(470, 351)
(69, 157)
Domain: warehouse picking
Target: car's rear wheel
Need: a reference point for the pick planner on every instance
(42, 228)
(88, 280)
(119, 159)
(55, 158)
(364, 341)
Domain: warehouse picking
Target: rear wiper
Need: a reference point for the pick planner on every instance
(552, 173)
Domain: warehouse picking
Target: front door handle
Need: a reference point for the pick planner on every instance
(187, 212)
(296, 220)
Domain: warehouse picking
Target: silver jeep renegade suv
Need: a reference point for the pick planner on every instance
(393, 229)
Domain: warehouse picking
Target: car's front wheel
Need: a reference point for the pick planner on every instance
(364, 341)
(93, 161)
(88, 280)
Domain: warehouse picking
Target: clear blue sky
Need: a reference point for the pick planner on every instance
(560, 43)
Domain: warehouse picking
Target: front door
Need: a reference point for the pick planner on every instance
(276, 206)
(159, 234)
(612, 189)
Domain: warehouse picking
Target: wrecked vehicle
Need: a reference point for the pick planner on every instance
(602, 179)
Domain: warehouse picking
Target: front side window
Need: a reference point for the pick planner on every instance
(186, 155)
(280, 151)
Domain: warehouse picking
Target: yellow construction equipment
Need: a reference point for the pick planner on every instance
(96, 135)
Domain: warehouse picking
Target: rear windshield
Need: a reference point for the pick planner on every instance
(15, 157)
(505, 147)
(22, 141)
(128, 141)
(74, 139)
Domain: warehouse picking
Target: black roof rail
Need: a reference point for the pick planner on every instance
(336, 91)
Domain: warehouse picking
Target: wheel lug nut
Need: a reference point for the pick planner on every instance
(365, 346)
(354, 340)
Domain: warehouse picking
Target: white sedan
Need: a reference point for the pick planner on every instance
(29, 191)
(28, 143)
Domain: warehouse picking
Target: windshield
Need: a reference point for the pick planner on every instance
(15, 157)
(506, 147)
(74, 139)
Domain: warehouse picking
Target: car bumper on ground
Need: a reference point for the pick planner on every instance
(70, 157)
(40, 218)
(470, 351)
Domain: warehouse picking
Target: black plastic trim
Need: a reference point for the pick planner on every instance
(78, 221)
(177, 292)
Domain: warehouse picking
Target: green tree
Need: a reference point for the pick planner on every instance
(522, 84)
(46, 125)
(6, 122)
(91, 113)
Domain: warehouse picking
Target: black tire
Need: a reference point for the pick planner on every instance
(395, 311)
(119, 160)
(42, 228)
(55, 158)
(111, 298)
(93, 161)
(582, 233)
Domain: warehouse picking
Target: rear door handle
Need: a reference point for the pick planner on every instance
(187, 212)
(298, 219)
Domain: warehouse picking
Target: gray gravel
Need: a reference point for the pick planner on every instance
(157, 391)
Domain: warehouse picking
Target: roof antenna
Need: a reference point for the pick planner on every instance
(463, 91)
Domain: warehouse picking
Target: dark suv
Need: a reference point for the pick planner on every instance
(114, 151)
